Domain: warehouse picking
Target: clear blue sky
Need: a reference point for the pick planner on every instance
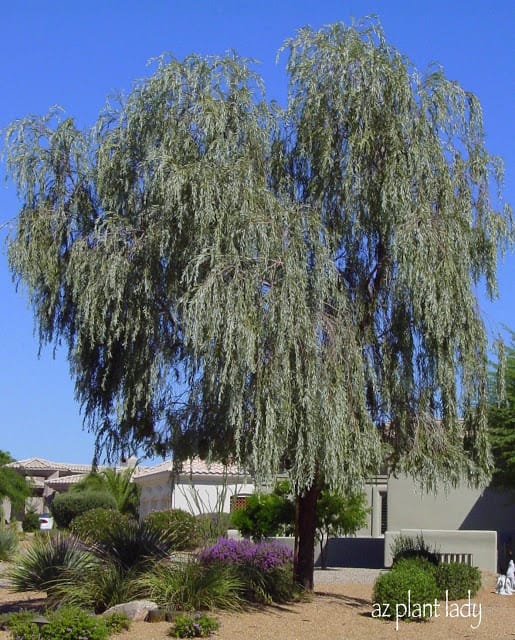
(75, 53)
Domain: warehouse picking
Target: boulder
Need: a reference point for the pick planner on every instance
(136, 610)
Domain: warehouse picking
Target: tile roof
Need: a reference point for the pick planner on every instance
(41, 464)
(65, 480)
(193, 467)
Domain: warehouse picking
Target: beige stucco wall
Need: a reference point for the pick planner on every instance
(373, 490)
(482, 545)
(462, 508)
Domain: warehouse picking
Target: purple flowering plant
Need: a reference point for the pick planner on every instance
(264, 568)
(264, 556)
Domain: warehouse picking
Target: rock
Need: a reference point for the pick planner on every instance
(136, 610)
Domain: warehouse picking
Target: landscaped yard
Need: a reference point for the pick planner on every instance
(336, 611)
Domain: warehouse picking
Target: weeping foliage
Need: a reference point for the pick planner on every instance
(501, 417)
(293, 288)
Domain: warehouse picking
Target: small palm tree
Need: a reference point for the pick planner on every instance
(117, 483)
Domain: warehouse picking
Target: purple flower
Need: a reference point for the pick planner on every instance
(262, 555)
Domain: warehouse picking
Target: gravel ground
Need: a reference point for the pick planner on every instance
(340, 609)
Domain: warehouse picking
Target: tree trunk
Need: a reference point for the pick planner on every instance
(304, 560)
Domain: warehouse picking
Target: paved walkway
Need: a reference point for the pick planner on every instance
(346, 574)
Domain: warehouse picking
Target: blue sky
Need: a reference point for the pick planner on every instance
(75, 54)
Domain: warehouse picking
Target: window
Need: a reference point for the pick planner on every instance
(384, 511)
(238, 502)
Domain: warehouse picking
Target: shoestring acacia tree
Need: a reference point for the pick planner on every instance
(292, 289)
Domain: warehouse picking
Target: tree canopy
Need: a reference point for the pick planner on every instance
(12, 484)
(501, 420)
(291, 287)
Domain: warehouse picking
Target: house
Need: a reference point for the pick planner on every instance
(198, 487)
(47, 477)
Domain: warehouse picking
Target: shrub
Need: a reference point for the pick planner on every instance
(67, 506)
(264, 515)
(265, 569)
(8, 543)
(192, 585)
(408, 575)
(178, 527)
(30, 522)
(66, 623)
(198, 625)
(47, 560)
(457, 579)
(95, 525)
(117, 622)
(404, 547)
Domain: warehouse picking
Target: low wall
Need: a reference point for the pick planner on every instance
(362, 552)
(482, 545)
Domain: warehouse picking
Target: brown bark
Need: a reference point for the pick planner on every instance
(304, 560)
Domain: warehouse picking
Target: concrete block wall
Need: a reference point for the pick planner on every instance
(481, 544)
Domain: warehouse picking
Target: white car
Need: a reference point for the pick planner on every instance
(46, 522)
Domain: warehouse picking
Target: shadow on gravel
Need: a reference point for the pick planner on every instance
(350, 601)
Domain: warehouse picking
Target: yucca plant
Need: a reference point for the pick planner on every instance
(48, 560)
(8, 543)
(132, 545)
(190, 586)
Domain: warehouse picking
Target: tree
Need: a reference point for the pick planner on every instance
(119, 484)
(282, 287)
(501, 420)
(12, 484)
(338, 515)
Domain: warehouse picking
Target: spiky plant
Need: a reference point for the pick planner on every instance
(192, 586)
(48, 560)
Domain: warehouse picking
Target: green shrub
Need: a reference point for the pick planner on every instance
(30, 522)
(405, 547)
(264, 515)
(67, 506)
(117, 622)
(94, 526)
(8, 543)
(66, 623)
(457, 579)
(190, 586)
(408, 576)
(178, 527)
(47, 560)
(198, 625)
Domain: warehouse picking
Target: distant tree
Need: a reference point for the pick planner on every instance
(119, 484)
(294, 289)
(12, 484)
(501, 420)
(338, 515)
